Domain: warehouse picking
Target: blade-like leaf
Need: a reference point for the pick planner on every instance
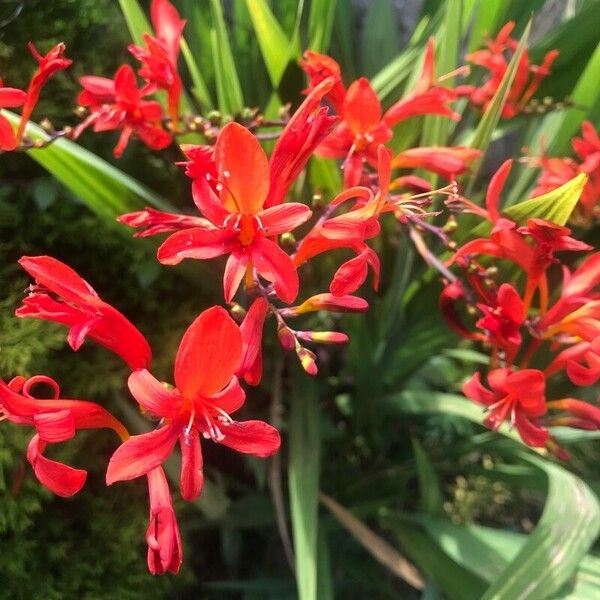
(105, 189)
(431, 500)
(379, 37)
(229, 91)
(136, 20)
(320, 24)
(276, 48)
(303, 478)
(489, 17)
(490, 118)
(566, 530)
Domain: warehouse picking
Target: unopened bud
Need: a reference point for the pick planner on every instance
(80, 111)
(451, 225)
(46, 125)
(215, 117)
(328, 302)
(286, 336)
(308, 360)
(317, 201)
(288, 240)
(237, 311)
(247, 113)
(323, 337)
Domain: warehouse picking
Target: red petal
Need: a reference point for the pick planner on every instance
(350, 276)
(61, 479)
(251, 437)
(208, 202)
(252, 330)
(59, 278)
(142, 453)
(532, 435)
(8, 141)
(511, 304)
(362, 109)
(152, 395)
(168, 26)
(235, 268)
(283, 218)
(272, 263)
(57, 426)
(196, 243)
(529, 387)
(209, 354)
(243, 170)
(11, 97)
(492, 198)
(191, 478)
(474, 390)
(126, 90)
(229, 400)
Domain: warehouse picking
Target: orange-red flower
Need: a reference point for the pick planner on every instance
(206, 392)
(53, 62)
(55, 420)
(62, 296)
(517, 396)
(495, 58)
(159, 56)
(118, 104)
(364, 126)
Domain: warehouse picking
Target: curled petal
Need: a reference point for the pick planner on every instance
(252, 330)
(235, 269)
(283, 218)
(492, 198)
(152, 395)
(56, 426)
(272, 263)
(533, 435)
(61, 479)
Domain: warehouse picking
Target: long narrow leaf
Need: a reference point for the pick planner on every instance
(303, 477)
(320, 24)
(105, 189)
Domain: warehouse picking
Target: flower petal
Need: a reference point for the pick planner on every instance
(252, 330)
(195, 243)
(272, 263)
(243, 170)
(152, 395)
(209, 354)
(235, 268)
(56, 426)
(362, 109)
(474, 390)
(191, 478)
(251, 437)
(283, 218)
(142, 453)
(61, 479)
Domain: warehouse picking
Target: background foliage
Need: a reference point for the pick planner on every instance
(383, 431)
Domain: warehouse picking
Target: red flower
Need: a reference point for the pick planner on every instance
(55, 420)
(48, 65)
(118, 104)
(251, 329)
(446, 162)
(207, 391)
(163, 537)
(9, 98)
(518, 395)
(159, 57)
(496, 59)
(558, 171)
(364, 126)
(502, 321)
(62, 296)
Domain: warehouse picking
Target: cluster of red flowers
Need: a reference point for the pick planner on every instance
(240, 195)
(527, 327)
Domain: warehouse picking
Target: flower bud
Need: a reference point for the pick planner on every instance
(323, 337)
(286, 336)
(328, 302)
(308, 360)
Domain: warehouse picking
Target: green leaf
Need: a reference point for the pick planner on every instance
(105, 189)
(229, 92)
(490, 16)
(276, 48)
(303, 479)
(320, 24)
(136, 20)
(431, 500)
(379, 38)
(435, 128)
(200, 88)
(456, 581)
(489, 121)
(567, 528)
(556, 205)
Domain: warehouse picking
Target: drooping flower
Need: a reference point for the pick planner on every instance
(448, 162)
(48, 65)
(118, 104)
(9, 98)
(517, 396)
(495, 58)
(55, 420)
(251, 329)
(159, 56)
(62, 296)
(206, 392)
(163, 537)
